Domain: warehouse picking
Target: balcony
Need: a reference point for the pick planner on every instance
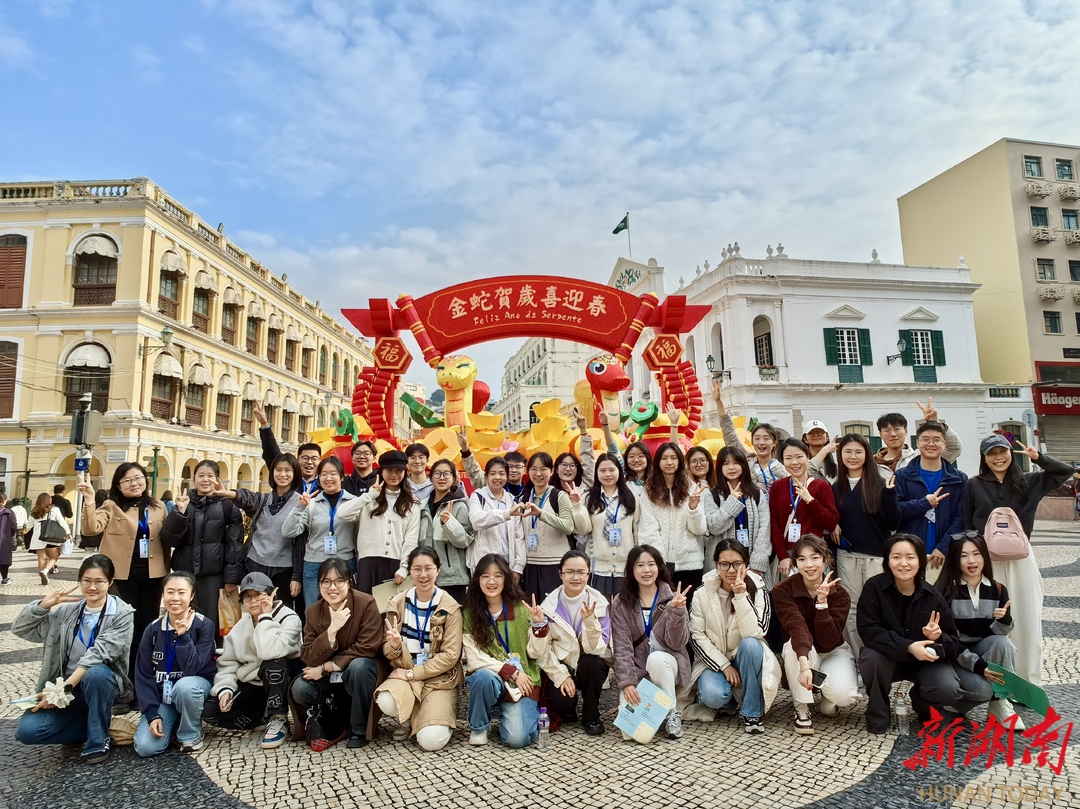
(1004, 393)
(1034, 189)
(228, 336)
(97, 295)
(200, 322)
(167, 306)
(252, 345)
(1071, 237)
(194, 416)
(1069, 191)
(1041, 234)
(768, 373)
(222, 421)
(1051, 293)
(161, 408)
(245, 426)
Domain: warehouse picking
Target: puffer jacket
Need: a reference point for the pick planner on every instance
(207, 539)
(449, 539)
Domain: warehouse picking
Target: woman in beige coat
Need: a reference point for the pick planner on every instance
(423, 644)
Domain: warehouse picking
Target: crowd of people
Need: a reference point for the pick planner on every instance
(810, 563)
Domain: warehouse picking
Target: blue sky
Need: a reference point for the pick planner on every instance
(385, 147)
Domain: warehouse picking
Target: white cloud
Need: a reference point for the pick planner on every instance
(14, 51)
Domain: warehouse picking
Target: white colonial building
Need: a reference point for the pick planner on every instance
(839, 342)
(541, 369)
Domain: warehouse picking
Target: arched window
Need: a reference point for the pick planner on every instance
(167, 379)
(88, 370)
(691, 353)
(95, 271)
(322, 365)
(717, 344)
(12, 270)
(334, 366)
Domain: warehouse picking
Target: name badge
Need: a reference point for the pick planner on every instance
(931, 515)
(330, 545)
(615, 537)
(335, 676)
(743, 535)
(166, 692)
(794, 533)
(422, 658)
(144, 548)
(533, 540)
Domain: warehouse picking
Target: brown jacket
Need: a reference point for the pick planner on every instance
(805, 624)
(361, 636)
(119, 530)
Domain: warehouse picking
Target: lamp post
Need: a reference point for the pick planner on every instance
(901, 347)
(723, 373)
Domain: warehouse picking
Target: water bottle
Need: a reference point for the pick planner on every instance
(903, 714)
(545, 729)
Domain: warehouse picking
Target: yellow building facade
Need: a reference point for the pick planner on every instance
(115, 289)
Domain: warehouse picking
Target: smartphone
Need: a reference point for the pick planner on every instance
(819, 677)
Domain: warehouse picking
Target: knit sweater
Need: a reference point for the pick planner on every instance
(731, 514)
(975, 620)
(681, 530)
(806, 625)
(267, 543)
(386, 536)
(816, 517)
(605, 559)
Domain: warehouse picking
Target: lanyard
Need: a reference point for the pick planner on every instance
(618, 505)
(333, 511)
(309, 487)
(498, 636)
(795, 499)
(741, 519)
(543, 499)
(94, 631)
(144, 522)
(422, 630)
(765, 470)
(170, 657)
(652, 615)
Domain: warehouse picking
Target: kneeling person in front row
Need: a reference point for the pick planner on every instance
(173, 672)
(342, 635)
(252, 682)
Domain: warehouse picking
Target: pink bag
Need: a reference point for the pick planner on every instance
(1005, 537)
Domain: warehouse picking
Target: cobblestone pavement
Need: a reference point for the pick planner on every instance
(714, 764)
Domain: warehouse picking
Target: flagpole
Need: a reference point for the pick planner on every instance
(629, 249)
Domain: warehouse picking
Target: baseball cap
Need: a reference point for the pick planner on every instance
(814, 425)
(259, 582)
(992, 441)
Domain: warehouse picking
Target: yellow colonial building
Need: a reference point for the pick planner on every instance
(115, 289)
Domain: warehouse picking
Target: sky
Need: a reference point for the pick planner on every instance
(369, 149)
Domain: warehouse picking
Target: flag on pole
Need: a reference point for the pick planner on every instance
(623, 225)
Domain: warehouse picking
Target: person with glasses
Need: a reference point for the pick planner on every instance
(387, 519)
(737, 508)
(548, 521)
(130, 524)
(423, 644)
(929, 497)
(699, 463)
(445, 527)
(515, 472)
(206, 533)
(764, 439)
(896, 453)
(571, 637)
(492, 515)
(87, 643)
(262, 652)
(174, 672)
(416, 458)
(320, 518)
(343, 634)
(363, 476)
(308, 455)
(813, 612)
(734, 669)
(499, 671)
(637, 462)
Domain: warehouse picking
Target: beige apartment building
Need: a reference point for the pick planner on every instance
(115, 289)
(1013, 212)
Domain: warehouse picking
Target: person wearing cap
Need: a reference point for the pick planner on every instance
(1001, 484)
(362, 477)
(387, 518)
(261, 654)
(822, 451)
(896, 453)
(929, 497)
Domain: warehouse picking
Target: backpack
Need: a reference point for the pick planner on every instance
(1005, 537)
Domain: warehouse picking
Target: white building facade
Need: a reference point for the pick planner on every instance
(543, 368)
(800, 340)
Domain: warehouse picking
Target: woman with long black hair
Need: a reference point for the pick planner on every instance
(130, 524)
(675, 505)
(738, 509)
(548, 521)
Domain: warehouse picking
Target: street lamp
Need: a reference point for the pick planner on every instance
(166, 341)
(724, 373)
(901, 347)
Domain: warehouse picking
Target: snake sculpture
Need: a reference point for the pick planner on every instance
(465, 395)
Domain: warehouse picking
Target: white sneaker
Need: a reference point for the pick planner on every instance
(828, 708)
(674, 725)
(478, 738)
(1004, 711)
(404, 730)
(804, 725)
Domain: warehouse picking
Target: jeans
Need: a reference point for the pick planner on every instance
(518, 727)
(311, 581)
(715, 691)
(183, 717)
(997, 649)
(359, 678)
(85, 721)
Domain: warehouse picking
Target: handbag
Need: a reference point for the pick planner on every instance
(53, 531)
(327, 718)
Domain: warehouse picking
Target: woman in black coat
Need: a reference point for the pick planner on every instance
(206, 533)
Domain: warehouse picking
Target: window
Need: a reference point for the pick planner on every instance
(763, 350)
(83, 379)
(161, 397)
(334, 371)
(1078, 322)
(252, 335)
(224, 411)
(1074, 270)
(9, 364)
(286, 427)
(922, 355)
(200, 311)
(168, 293)
(302, 429)
(1032, 166)
(1044, 269)
(12, 270)
(1052, 322)
(847, 346)
(290, 355)
(1070, 220)
(272, 345)
(1064, 169)
(1049, 372)
(95, 272)
(1040, 218)
(322, 366)
(195, 405)
(228, 325)
(850, 350)
(921, 352)
(305, 363)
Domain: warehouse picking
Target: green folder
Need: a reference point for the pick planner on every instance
(1017, 689)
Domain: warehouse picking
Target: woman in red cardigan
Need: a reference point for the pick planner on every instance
(798, 505)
